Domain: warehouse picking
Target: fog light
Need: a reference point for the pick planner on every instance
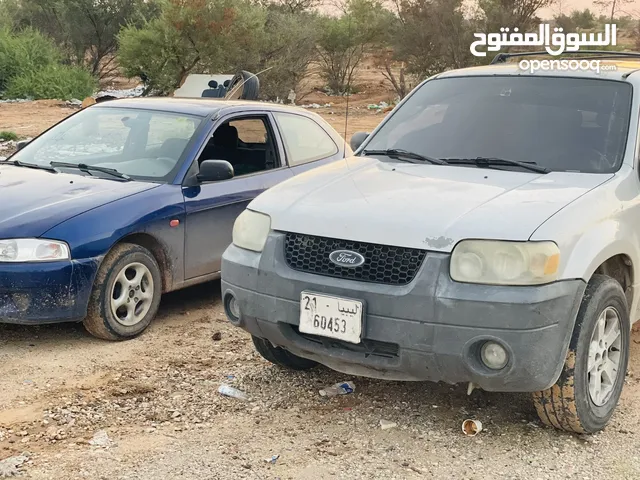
(232, 308)
(494, 356)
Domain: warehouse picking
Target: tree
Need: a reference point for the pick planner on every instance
(286, 52)
(343, 41)
(215, 36)
(511, 13)
(293, 6)
(425, 37)
(583, 18)
(565, 22)
(191, 35)
(7, 13)
(613, 6)
(85, 29)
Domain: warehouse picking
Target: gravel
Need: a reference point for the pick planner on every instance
(155, 412)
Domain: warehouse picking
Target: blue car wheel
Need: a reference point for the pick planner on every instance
(126, 294)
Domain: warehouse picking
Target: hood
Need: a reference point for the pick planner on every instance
(34, 201)
(430, 207)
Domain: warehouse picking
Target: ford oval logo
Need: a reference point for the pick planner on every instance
(346, 258)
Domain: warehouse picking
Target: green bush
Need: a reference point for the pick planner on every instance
(8, 135)
(24, 52)
(62, 82)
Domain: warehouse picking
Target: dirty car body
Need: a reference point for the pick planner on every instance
(475, 215)
(128, 171)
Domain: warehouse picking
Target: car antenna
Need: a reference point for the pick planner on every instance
(247, 79)
(348, 93)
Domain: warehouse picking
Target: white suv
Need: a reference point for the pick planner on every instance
(486, 232)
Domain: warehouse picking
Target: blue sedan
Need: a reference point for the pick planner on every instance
(129, 199)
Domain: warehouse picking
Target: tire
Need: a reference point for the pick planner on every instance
(124, 262)
(569, 404)
(249, 90)
(279, 356)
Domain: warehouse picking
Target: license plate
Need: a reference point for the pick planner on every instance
(333, 317)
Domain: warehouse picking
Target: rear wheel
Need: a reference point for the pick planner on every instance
(279, 356)
(587, 392)
(126, 294)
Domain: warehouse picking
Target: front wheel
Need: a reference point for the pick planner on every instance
(126, 294)
(279, 356)
(587, 392)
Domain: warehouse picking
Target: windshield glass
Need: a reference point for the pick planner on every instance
(143, 144)
(562, 124)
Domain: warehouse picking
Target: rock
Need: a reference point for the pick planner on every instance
(386, 424)
(217, 336)
(9, 466)
(101, 439)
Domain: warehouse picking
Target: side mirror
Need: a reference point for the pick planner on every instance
(21, 144)
(215, 171)
(357, 140)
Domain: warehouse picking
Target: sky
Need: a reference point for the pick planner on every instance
(569, 5)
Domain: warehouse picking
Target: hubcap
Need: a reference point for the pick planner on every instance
(604, 356)
(132, 294)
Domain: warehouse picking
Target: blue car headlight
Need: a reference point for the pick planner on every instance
(33, 250)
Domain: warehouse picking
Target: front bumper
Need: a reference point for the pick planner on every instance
(47, 292)
(431, 329)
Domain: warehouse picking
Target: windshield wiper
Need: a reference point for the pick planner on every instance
(400, 154)
(83, 167)
(486, 162)
(18, 163)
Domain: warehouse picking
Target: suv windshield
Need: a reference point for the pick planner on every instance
(561, 124)
(141, 144)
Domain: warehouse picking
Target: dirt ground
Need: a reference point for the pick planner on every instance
(156, 398)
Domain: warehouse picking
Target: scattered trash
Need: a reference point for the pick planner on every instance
(217, 336)
(229, 391)
(126, 93)
(292, 96)
(317, 105)
(74, 103)
(17, 100)
(9, 467)
(101, 439)
(471, 427)
(342, 388)
(378, 107)
(386, 424)
(28, 382)
(471, 388)
(273, 459)
(8, 145)
(231, 377)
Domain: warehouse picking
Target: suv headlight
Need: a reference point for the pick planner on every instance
(32, 250)
(505, 263)
(250, 230)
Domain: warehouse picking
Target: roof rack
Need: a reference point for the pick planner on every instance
(503, 57)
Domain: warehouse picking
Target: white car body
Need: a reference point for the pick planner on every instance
(591, 217)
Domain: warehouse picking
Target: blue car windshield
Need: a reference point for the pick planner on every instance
(145, 145)
(560, 124)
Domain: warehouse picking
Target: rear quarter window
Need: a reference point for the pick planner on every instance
(304, 140)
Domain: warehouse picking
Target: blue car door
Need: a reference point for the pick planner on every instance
(248, 141)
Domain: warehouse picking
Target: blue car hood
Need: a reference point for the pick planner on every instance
(34, 201)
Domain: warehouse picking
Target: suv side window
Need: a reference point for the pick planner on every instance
(304, 140)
